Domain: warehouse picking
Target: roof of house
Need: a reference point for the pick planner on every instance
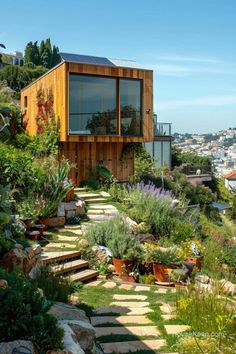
(231, 175)
(89, 59)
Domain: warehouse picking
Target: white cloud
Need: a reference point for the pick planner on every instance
(203, 101)
(184, 70)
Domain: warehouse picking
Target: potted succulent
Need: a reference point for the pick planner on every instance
(164, 261)
(130, 276)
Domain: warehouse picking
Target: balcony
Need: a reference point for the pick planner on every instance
(197, 173)
(162, 129)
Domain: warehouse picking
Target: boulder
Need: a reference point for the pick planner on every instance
(13, 257)
(102, 253)
(84, 331)
(227, 287)
(8, 347)
(200, 278)
(55, 221)
(70, 206)
(37, 249)
(29, 252)
(80, 207)
(83, 243)
(28, 264)
(70, 214)
(19, 246)
(70, 342)
(149, 238)
(3, 284)
(133, 226)
(61, 210)
(67, 312)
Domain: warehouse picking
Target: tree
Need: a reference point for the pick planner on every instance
(55, 56)
(2, 46)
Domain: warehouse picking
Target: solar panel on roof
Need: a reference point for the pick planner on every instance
(86, 59)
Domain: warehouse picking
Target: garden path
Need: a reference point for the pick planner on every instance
(131, 321)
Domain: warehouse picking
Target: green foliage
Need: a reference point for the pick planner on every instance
(18, 77)
(167, 257)
(144, 166)
(229, 256)
(179, 158)
(55, 288)
(205, 313)
(115, 234)
(148, 279)
(23, 314)
(103, 173)
(43, 54)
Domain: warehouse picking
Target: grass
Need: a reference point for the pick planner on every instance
(96, 297)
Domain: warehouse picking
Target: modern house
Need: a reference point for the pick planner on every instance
(103, 106)
(230, 180)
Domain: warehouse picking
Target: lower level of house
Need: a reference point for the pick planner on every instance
(85, 157)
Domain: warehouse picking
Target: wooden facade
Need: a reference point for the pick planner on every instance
(86, 151)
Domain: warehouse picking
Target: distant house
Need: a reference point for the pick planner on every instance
(103, 105)
(230, 180)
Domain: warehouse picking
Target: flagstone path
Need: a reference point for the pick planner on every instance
(123, 326)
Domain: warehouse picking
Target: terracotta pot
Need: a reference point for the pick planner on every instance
(32, 235)
(197, 261)
(161, 271)
(122, 266)
(40, 228)
(44, 221)
(28, 223)
(128, 278)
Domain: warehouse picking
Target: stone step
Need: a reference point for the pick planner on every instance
(102, 206)
(69, 227)
(67, 238)
(130, 304)
(119, 320)
(123, 310)
(100, 199)
(129, 297)
(129, 330)
(133, 346)
(87, 195)
(53, 257)
(83, 275)
(69, 266)
(80, 189)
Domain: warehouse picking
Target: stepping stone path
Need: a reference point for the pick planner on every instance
(134, 323)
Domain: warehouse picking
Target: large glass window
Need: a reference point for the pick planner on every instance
(130, 107)
(92, 105)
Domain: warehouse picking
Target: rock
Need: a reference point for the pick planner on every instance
(133, 226)
(70, 214)
(80, 207)
(227, 287)
(13, 257)
(84, 331)
(29, 252)
(61, 210)
(37, 249)
(3, 284)
(204, 287)
(70, 342)
(111, 268)
(145, 238)
(8, 347)
(28, 264)
(83, 243)
(35, 269)
(67, 312)
(19, 246)
(204, 279)
(70, 206)
(102, 253)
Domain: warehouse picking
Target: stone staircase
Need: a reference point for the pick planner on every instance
(70, 265)
(59, 254)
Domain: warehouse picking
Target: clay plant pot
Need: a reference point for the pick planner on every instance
(45, 222)
(161, 272)
(128, 278)
(197, 261)
(40, 228)
(122, 266)
(28, 222)
(32, 235)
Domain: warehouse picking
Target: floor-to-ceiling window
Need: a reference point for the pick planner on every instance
(130, 107)
(93, 106)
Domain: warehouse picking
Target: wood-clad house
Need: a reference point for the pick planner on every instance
(102, 105)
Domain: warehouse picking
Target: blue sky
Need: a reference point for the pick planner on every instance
(190, 45)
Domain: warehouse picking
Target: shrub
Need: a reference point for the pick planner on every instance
(55, 288)
(207, 314)
(23, 314)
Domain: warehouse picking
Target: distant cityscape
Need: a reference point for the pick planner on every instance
(220, 146)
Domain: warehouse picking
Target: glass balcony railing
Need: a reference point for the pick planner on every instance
(162, 129)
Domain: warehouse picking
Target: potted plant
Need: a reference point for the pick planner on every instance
(164, 261)
(130, 276)
(192, 251)
(26, 212)
(126, 251)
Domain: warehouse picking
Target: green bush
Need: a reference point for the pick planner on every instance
(23, 314)
(55, 288)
